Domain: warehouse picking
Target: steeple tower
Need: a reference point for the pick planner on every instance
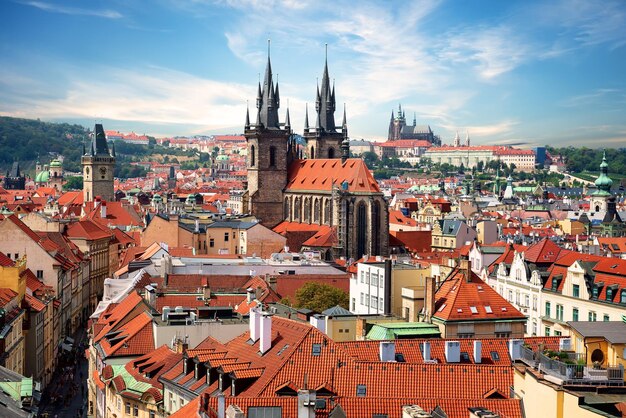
(600, 197)
(98, 166)
(325, 142)
(269, 153)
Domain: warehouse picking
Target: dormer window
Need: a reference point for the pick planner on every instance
(623, 297)
(555, 284)
(609, 294)
(595, 292)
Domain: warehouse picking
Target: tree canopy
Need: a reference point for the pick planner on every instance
(319, 297)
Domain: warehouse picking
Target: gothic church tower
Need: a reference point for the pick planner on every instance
(98, 165)
(270, 151)
(324, 141)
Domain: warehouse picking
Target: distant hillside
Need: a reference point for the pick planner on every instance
(580, 160)
(25, 139)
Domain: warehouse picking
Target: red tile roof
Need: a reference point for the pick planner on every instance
(323, 174)
(459, 299)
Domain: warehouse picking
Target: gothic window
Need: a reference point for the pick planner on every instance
(376, 228)
(272, 156)
(312, 153)
(297, 209)
(361, 227)
(326, 212)
(331, 153)
(597, 208)
(287, 214)
(316, 211)
(307, 210)
(252, 156)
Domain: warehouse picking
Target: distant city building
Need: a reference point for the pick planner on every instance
(398, 129)
(14, 180)
(50, 176)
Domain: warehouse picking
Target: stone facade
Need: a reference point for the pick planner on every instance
(98, 165)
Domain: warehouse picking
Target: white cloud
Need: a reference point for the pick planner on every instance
(150, 94)
(56, 8)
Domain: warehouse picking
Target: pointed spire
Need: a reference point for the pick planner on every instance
(113, 149)
(99, 142)
(268, 100)
(467, 139)
(287, 120)
(247, 116)
(344, 123)
(414, 118)
(325, 102)
(84, 152)
(306, 118)
(318, 124)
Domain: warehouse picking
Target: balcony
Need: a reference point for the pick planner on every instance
(568, 371)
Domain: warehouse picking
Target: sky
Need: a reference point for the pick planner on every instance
(523, 73)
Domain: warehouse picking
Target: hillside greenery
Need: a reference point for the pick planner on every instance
(26, 140)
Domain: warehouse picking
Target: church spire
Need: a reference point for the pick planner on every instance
(325, 102)
(247, 116)
(345, 144)
(287, 121)
(306, 118)
(268, 98)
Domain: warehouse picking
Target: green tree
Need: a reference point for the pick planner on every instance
(73, 183)
(319, 297)
(371, 159)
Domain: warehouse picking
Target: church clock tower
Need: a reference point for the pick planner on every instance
(98, 165)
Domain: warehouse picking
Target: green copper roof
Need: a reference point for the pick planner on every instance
(603, 182)
(131, 383)
(42, 177)
(55, 163)
(394, 330)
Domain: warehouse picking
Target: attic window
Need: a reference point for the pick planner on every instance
(400, 358)
(317, 349)
(459, 310)
(465, 356)
(480, 288)
(495, 356)
(361, 390)
(503, 309)
(488, 309)
(441, 308)
(473, 309)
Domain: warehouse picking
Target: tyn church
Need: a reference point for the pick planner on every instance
(328, 192)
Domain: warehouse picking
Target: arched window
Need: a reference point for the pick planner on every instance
(331, 153)
(252, 156)
(316, 211)
(297, 209)
(326, 212)
(361, 227)
(272, 156)
(312, 153)
(287, 214)
(307, 210)
(375, 232)
(597, 208)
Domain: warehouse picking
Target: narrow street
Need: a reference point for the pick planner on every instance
(66, 395)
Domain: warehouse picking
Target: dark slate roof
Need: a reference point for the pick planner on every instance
(613, 331)
(99, 145)
(15, 170)
(337, 311)
(232, 224)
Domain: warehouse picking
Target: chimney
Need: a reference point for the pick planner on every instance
(387, 351)
(206, 293)
(251, 294)
(255, 324)
(466, 267)
(387, 288)
(149, 295)
(103, 209)
(306, 403)
(426, 351)
(233, 411)
(181, 345)
(221, 405)
(478, 347)
(429, 295)
(266, 333)
(197, 226)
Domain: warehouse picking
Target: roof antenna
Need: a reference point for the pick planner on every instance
(326, 58)
(268, 47)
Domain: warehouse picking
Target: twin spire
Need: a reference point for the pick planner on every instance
(268, 103)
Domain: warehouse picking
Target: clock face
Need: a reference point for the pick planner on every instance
(103, 170)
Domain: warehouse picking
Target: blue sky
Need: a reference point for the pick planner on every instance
(527, 73)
